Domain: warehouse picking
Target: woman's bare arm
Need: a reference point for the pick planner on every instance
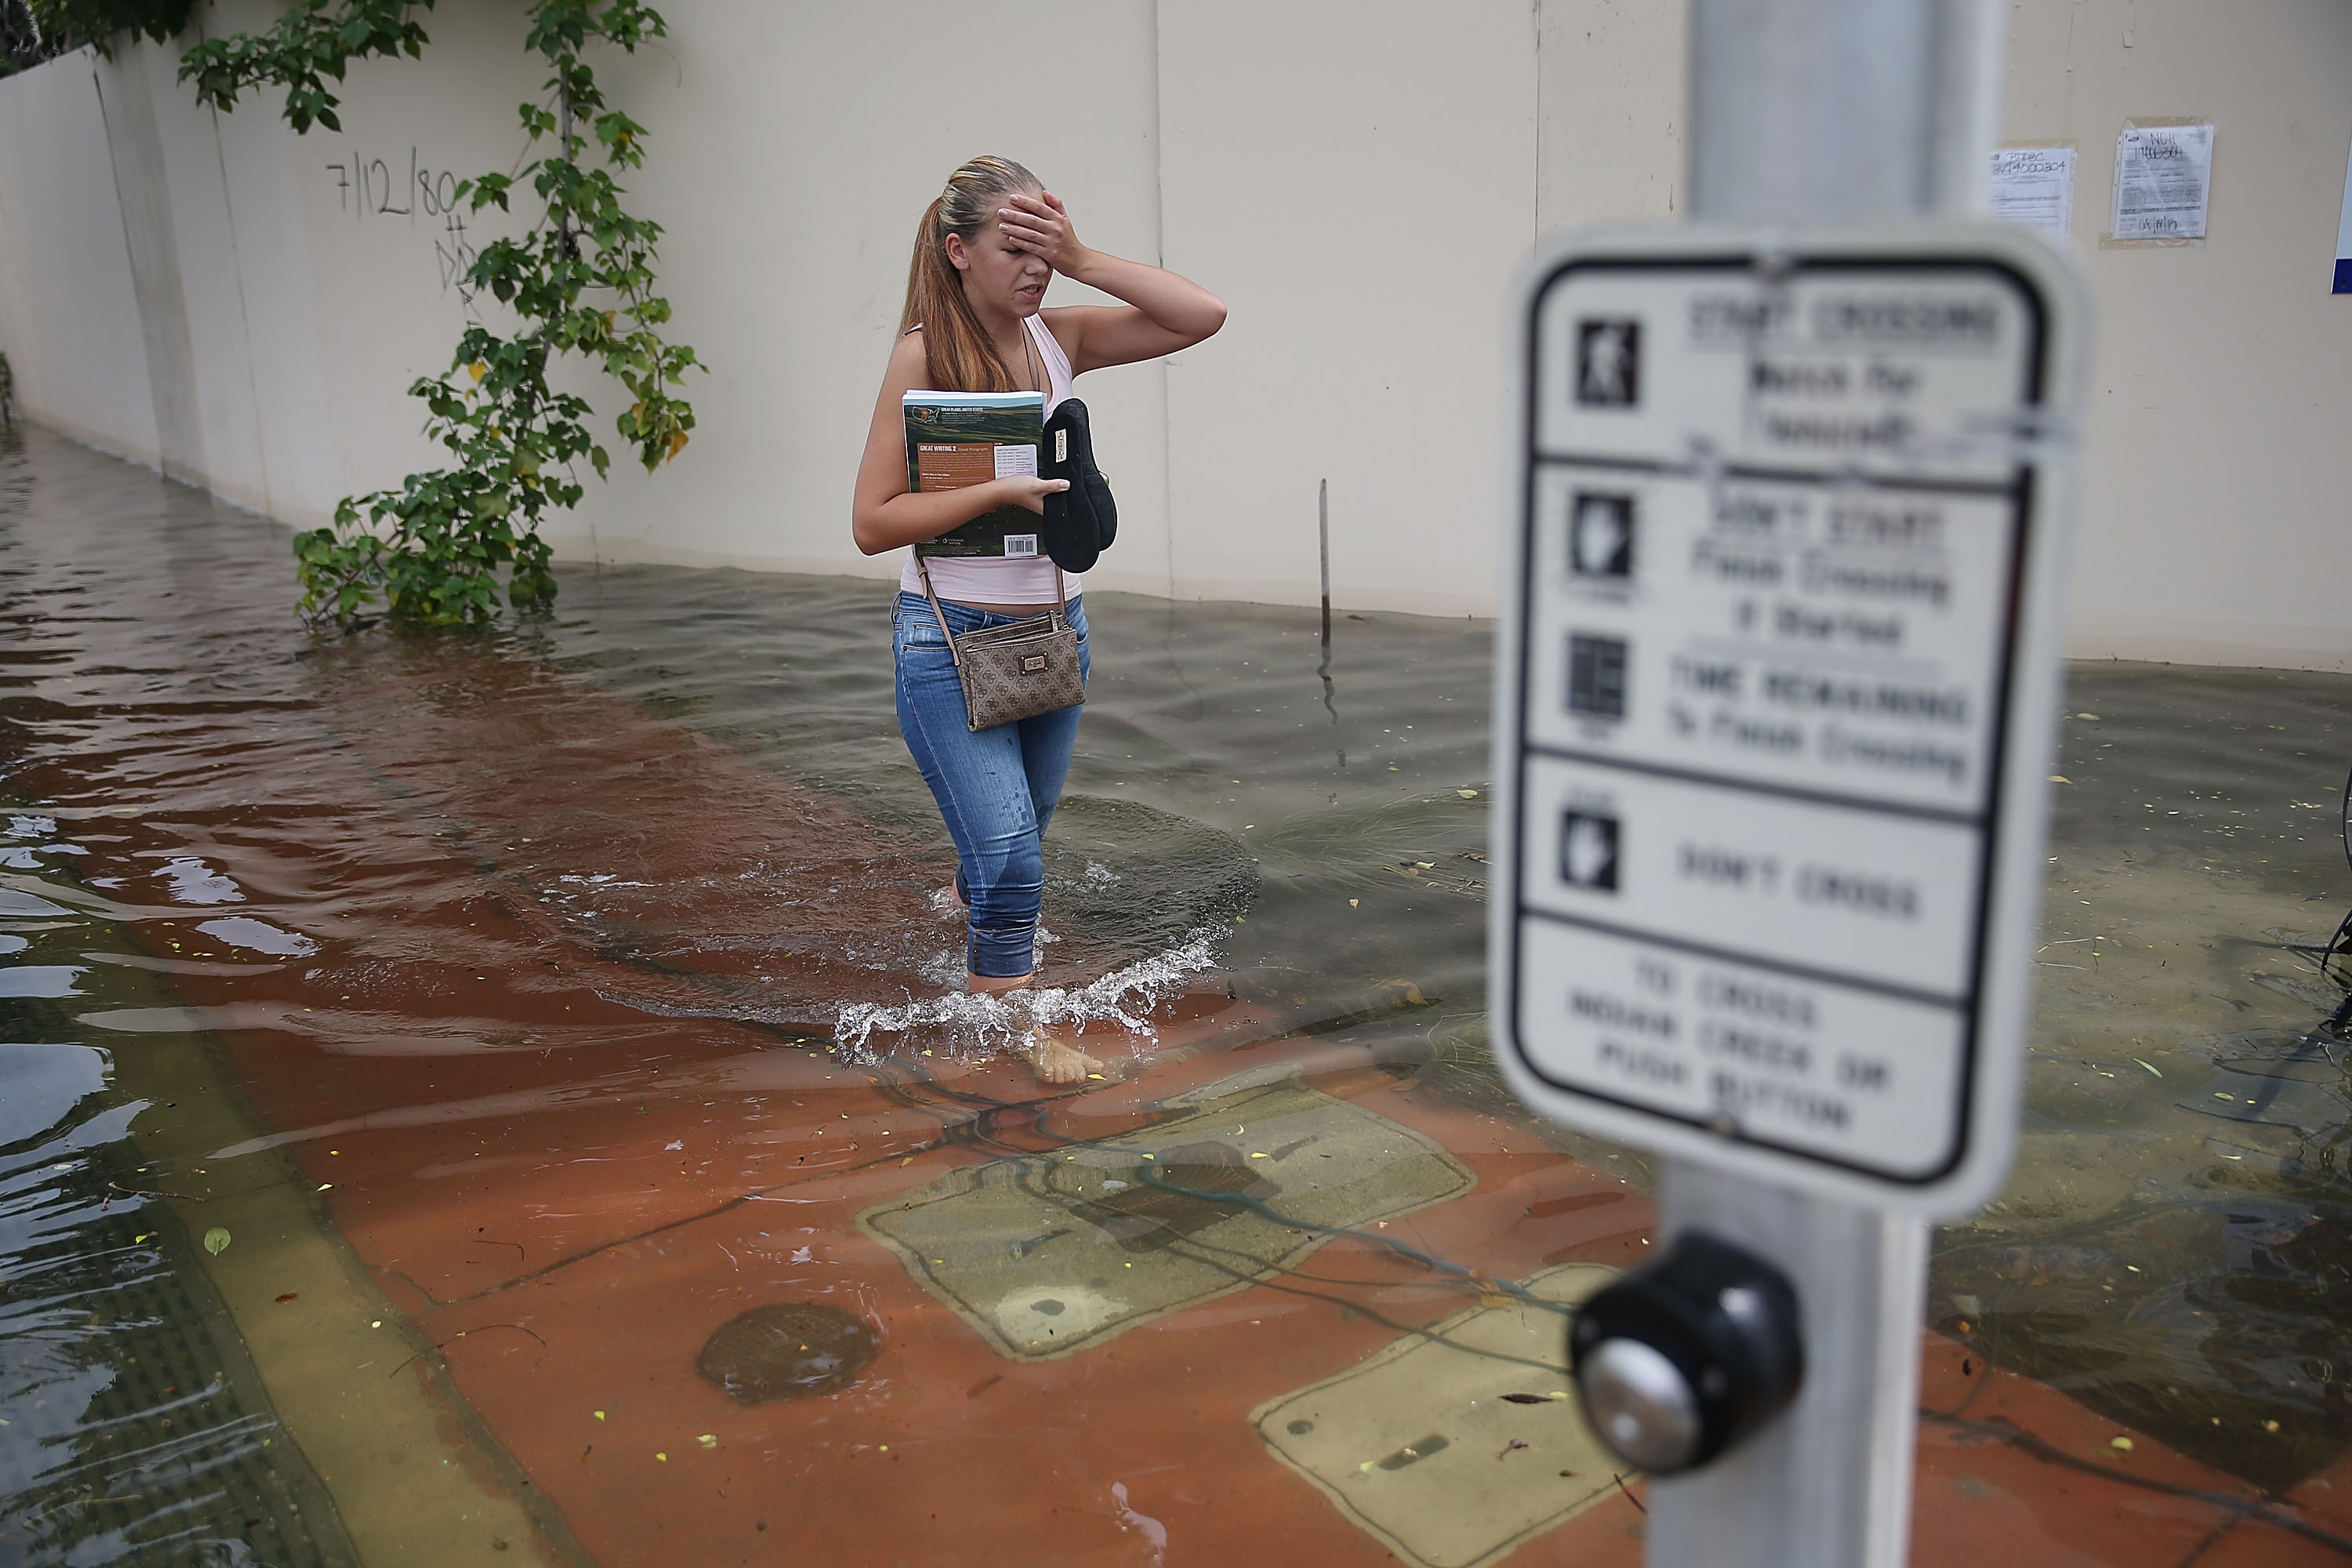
(1162, 313)
(884, 514)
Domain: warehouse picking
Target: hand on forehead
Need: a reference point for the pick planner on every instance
(1030, 219)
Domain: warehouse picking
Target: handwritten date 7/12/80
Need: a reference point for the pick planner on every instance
(371, 189)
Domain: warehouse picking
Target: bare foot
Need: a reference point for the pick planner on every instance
(1058, 1061)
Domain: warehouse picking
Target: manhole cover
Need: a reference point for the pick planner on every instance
(786, 1351)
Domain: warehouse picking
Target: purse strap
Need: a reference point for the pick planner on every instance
(945, 630)
(1061, 587)
(1061, 606)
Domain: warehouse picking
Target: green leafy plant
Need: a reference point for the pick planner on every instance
(579, 281)
(313, 41)
(32, 31)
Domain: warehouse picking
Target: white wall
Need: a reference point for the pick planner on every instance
(71, 328)
(2215, 510)
(1354, 192)
(1357, 181)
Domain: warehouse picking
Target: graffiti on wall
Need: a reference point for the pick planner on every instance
(372, 190)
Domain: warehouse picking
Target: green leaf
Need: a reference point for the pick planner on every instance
(216, 1241)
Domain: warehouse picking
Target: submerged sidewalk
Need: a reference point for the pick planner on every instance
(561, 1234)
(1235, 1392)
(722, 1296)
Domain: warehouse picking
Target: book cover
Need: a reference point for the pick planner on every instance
(960, 439)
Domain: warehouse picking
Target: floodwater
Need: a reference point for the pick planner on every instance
(501, 1096)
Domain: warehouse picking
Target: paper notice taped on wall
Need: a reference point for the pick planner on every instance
(2163, 178)
(2034, 188)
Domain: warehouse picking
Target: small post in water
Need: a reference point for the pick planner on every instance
(1323, 527)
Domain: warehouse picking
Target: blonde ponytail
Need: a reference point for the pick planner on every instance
(960, 357)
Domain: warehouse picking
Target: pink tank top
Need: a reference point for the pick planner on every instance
(1006, 580)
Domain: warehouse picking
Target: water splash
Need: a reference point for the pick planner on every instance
(982, 1024)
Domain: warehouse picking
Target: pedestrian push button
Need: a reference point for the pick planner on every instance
(1680, 1360)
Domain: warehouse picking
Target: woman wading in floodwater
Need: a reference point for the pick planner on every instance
(974, 322)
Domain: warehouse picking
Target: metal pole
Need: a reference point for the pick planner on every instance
(1323, 529)
(1808, 111)
(1811, 111)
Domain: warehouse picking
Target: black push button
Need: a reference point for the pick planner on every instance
(1680, 1360)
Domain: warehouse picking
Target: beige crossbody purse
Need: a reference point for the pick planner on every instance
(1017, 670)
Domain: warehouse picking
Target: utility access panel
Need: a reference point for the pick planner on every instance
(1776, 694)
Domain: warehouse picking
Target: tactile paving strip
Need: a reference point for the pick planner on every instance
(1454, 1445)
(1048, 1254)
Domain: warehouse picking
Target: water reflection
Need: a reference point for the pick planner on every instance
(132, 1428)
(2174, 1250)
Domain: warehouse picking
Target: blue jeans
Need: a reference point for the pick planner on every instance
(996, 787)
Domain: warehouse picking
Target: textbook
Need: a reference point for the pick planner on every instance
(960, 439)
